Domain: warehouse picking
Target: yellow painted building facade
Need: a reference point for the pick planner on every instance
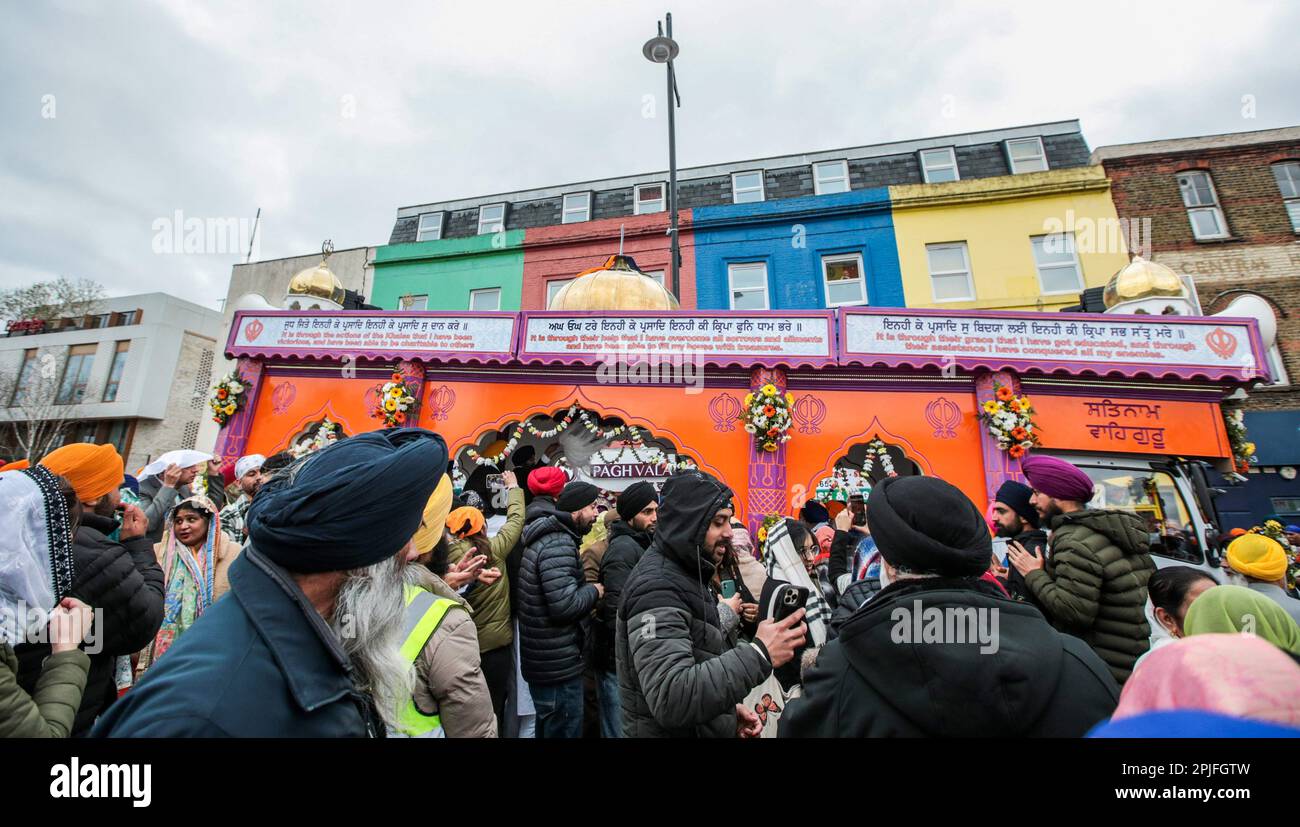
(1012, 242)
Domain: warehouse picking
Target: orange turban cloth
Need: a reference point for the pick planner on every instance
(16, 465)
(465, 521)
(93, 470)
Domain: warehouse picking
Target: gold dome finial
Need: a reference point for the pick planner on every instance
(318, 282)
(618, 284)
(1141, 279)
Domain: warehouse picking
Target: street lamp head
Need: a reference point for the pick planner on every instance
(660, 49)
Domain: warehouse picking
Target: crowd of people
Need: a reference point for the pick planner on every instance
(354, 591)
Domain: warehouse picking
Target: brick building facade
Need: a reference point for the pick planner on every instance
(1225, 209)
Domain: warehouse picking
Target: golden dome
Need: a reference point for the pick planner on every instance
(1141, 279)
(317, 282)
(616, 285)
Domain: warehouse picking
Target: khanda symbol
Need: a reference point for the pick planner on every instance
(809, 412)
(441, 402)
(943, 415)
(282, 397)
(1223, 343)
(724, 410)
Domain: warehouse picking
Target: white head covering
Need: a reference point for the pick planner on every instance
(35, 548)
(784, 563)
(248, 463)
(181, 459)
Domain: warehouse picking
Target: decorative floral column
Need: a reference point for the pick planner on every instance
(412, 371)
(232, 439)
(767, 482)
(998, 464)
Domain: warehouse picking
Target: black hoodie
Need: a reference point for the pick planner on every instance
(677, 675)
(1024, 679)
(624, 551)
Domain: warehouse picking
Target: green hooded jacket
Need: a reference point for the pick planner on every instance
(1094, 585)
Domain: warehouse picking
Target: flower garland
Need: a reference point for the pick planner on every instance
(767, 416)
(876, 448)
(1242, 450)
(562, 424)
(327, 433)
(1010, 421)
(763, 530)
(226, 399)
(395, 399)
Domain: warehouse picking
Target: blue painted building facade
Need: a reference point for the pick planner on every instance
(793, 238)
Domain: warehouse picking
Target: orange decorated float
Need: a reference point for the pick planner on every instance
(782, 405)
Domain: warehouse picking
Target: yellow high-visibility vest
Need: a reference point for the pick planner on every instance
(424, 613)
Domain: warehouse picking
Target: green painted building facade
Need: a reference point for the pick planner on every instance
(449, 271)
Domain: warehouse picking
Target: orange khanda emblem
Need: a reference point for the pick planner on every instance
(1223, 343)
(253, 329)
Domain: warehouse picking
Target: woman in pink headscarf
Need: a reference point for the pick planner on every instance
(1238, 675)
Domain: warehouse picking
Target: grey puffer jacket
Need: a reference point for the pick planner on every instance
(678, 677)
(555, 601)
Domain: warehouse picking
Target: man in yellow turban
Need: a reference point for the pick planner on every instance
(450, 696)
(1259, 563)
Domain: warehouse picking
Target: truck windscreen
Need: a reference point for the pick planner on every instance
(1154, 497)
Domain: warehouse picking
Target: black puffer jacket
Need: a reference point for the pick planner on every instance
(626, 546)
(540, 506)
(872, 681)
(126, 583)
(555, 601)
(677, 676)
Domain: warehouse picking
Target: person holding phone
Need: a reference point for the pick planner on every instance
(1016, 519)
(1006, 674)
(679, 677)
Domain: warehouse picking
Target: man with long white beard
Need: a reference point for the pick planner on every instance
(307, 643)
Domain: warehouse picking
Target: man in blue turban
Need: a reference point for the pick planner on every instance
(307, 643)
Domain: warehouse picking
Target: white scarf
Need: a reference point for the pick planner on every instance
(784, 563)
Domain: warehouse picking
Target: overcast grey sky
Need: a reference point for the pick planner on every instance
(330, 115)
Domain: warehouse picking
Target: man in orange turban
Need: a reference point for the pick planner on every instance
(93, 470)
(115, 571)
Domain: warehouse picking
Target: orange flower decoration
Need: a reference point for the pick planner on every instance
(1016, 452)
(397, 377)
(1005, 394)
(400, 417)
(772, 432)
(1019, 434)
(222, 393)
(1014, 406)
(768, 410)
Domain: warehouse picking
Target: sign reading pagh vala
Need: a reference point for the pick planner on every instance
(398, 334)
(792, 337)
(1130, 344)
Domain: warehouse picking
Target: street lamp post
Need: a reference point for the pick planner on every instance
(663, 49)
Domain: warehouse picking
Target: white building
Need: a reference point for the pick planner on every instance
(136, 374)
(280, 283)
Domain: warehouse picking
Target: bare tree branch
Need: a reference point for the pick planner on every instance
(48, 300)
(35, 420)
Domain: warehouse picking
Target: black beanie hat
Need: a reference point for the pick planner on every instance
(1016, 496)
(634, 498)
(926, 525)
(576, 496)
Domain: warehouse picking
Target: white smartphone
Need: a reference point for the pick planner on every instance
(1000, 549)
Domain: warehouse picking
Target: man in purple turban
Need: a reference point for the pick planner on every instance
(1093, 584)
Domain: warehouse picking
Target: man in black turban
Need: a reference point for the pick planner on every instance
(939, 651)
(307, 642)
